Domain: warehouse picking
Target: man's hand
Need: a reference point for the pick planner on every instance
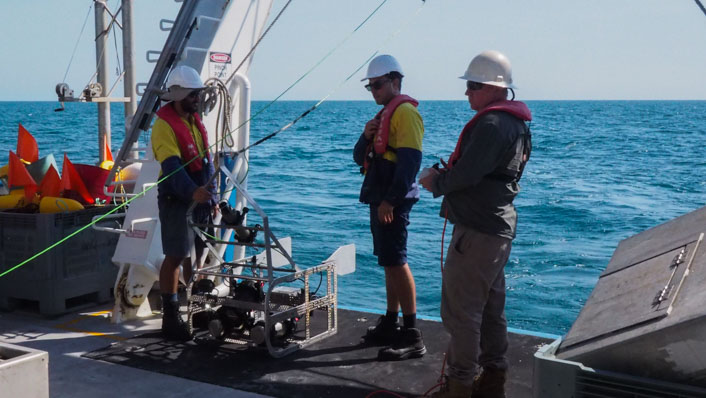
(385, 214)
(201, 195)
(428, 180)
(371, 128)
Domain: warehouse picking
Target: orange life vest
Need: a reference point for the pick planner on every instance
(515, 108)
(379, 144)
(187, 146)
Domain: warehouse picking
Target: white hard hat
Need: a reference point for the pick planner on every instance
(490, 67)
(182, 80)
(382, 65)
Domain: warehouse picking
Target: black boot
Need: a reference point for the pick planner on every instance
(489, 384)
(173, 326)
(409, 344)
(383, 333)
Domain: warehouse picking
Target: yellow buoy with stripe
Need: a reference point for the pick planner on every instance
(52, 204)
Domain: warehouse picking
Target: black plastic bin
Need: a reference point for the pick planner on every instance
(77, 272)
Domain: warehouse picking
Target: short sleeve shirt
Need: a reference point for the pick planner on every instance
(164, 141)
(406, 130)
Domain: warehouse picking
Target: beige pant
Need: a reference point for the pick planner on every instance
(473, 302)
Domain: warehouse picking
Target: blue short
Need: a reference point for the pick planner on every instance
(177, 236)
(390, 241)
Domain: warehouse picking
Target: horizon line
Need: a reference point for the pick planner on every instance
(422, 99)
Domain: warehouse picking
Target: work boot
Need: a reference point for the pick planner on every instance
(383, 333)
(408, 344)
(453, 388)
(489, 384)
(173, 326)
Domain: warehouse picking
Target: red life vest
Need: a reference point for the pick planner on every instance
(187, 146)
(379, 144)
(515, 108)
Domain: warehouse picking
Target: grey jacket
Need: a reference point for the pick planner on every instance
(479, 190)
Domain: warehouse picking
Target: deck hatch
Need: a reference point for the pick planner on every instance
(638, 293)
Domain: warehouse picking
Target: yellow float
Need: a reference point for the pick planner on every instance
(52, 204)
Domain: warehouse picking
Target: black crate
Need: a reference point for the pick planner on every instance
(77, 271)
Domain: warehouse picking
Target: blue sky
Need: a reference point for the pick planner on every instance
(602, 49)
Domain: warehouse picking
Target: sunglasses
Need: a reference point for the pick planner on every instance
(376, 85)
(474, 86)
(193, 94)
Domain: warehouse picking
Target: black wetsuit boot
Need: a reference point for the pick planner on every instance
(409, 344)
(173, 326)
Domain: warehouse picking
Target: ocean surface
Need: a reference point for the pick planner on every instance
(600, 172)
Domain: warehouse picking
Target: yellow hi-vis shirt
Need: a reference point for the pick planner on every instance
(164, 141)
(406, 130)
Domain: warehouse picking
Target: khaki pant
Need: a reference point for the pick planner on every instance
(473, 302)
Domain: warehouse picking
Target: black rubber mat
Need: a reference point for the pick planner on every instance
(339, 366)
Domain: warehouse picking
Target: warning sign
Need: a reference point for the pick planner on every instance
(219, 65)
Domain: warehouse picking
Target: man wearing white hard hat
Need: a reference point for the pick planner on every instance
(389, 152)
(180, 145)
(479, 184)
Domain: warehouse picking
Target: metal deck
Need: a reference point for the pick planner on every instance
(85, 347)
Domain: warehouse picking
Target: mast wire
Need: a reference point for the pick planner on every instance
(305, 113)
(257, 42)
(701, 6)
(307, 73)
(77, 41)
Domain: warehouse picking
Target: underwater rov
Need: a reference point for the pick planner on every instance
(263, 299)
(642, 332)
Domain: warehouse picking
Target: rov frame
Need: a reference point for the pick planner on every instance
(274, 308)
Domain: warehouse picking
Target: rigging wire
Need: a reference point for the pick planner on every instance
(257, 42)
(306, 74)
(315, 106)
(118, 68)
(77, 41)
(701, 6)
(227, 134)
(107, 31)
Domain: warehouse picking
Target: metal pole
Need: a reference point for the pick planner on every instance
(129, 68)
(102, 65)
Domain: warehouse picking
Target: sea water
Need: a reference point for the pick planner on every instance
(600, 172)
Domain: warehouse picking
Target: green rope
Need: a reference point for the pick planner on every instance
(234, 130)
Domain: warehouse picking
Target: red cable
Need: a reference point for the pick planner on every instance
(431, 389)
(440, 382)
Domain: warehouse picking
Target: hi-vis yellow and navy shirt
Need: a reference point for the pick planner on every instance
(165, 147)
(164, 141)
(392, 176)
